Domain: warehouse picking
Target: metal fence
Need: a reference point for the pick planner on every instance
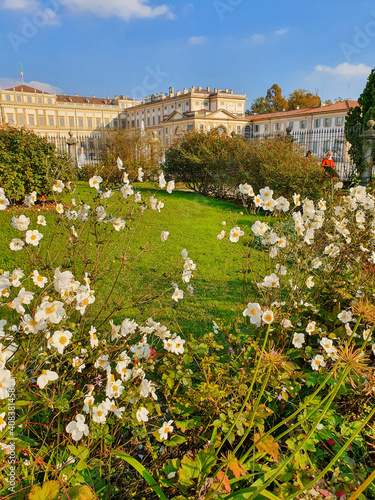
(89, 149)
(319, 141)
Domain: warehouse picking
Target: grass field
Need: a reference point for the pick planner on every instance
(193, 222)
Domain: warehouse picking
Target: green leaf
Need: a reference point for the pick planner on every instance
(142, 471)
(189, 470)
(28, 440)
(48, 491)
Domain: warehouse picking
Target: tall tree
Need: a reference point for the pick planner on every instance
(357, 118)
(275, 99)
(303, 99)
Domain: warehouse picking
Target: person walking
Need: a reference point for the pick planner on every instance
(328, 160)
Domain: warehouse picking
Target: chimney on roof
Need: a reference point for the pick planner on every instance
(216, 90)
(297, 107)
(199, 87)
(76, 95)
(208, 89)
(171, 91)
(93, 95)
(192, 88)
(64, 93)
(107, 97)
(185, 91)
(226, 91)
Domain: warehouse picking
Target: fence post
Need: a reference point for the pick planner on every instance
(368, 149)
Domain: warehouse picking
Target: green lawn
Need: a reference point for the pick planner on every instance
(193, 222)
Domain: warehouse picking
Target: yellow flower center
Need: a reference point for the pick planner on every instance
(33, 237)
(63, 340)
(39, 278)
(114, 388)
(100, 413)
(1, 420)
(50, 310)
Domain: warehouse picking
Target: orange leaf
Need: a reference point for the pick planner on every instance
(223, 478)
(269, 446)
(236, 467)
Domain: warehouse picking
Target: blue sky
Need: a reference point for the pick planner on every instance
(140, 47)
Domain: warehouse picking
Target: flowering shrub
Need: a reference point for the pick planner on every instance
(29, 163)
(276, 405)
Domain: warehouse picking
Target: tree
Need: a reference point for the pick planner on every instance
(303, 99)
(275, 98)
(273, 102)
(357, 118)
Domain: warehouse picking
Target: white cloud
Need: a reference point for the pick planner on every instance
(119, 8)
(258, 38)
(6, 83)
(282, 31)
(124, 9)
(197, 40)
(19, 4)
(344, 70)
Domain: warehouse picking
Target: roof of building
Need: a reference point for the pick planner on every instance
(85, 100)
(338, 106)
(26, 88)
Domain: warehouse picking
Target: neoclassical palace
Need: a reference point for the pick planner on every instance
(167, 114)
(170, 115)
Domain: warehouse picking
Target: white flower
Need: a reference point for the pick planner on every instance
(118, 224)
(102, 362)
(138, 197)
(338, 185)
(170, 187)
(327, 345)
(60, 339)
(58, 186)
(120, 164)
(317, 362)
(221, 235)
(41, 220)
(142, 414)
(6, 382)
(21, 222)
(254, 312)
(128, 326)
(162, 181)
(45, 377)
(4, 202)
(95, 181)
(53, 312)
(59, 208)
(140, 174)
(3, 423)
(266, 193)
(345, 316)
(165, 429)
(310, 282)
(177, 295)
(94, 341)
(164, 236)
(33, 237)
(297, 199)
(310, 327)
(282, 203)
(99, 413)
(38, 279)
(16, 244)
(127, 190)
(235, 234)
(246, 189)
(298, 340)
(77, 428)
(259, 228)
(286, 323)
(23, 298)
(267, 317)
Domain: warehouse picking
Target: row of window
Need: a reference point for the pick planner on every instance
(62, 122)
(325, 122)
(39, 100)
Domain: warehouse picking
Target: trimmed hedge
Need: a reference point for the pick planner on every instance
(30, 163)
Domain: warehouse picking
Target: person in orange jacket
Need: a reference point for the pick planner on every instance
(328, 160)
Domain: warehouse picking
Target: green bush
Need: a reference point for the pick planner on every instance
(215, 164)
(280, 164)
(30, 163)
